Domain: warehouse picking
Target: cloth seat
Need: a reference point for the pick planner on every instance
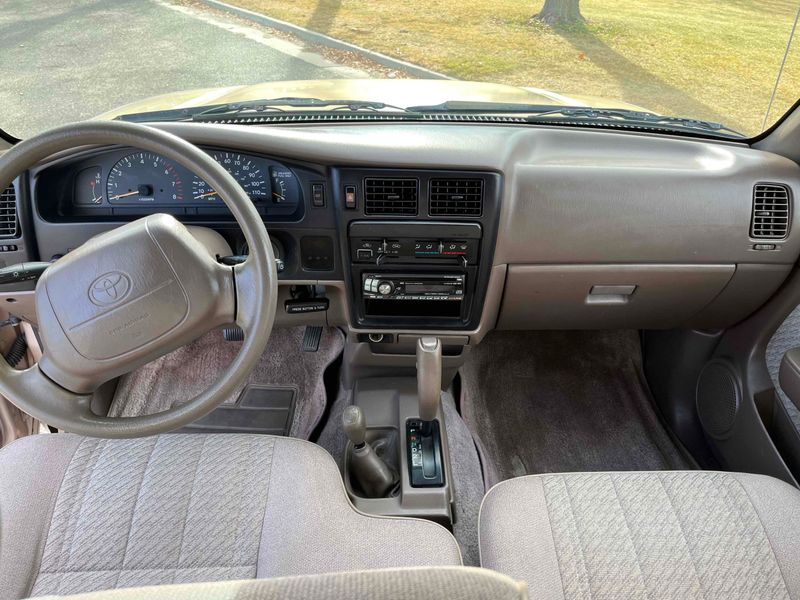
(654, 535)
(82, 514)
(437, 583)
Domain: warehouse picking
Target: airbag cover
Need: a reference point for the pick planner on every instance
(128, 297)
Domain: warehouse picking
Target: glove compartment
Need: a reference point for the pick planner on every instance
(656, 296)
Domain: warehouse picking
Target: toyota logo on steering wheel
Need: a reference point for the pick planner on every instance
(110, 288)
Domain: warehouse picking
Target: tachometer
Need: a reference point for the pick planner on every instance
(144, 177)
(251, 176)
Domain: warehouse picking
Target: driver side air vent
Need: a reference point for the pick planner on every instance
(390, 196)
(770, 211)
(456, 197)
(8, 213)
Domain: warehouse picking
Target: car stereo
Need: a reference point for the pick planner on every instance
(430, 286)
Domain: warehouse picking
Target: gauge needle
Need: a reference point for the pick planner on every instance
(207, 194)
(276, 194)
(136, 193)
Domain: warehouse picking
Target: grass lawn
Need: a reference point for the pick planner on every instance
(711, 59)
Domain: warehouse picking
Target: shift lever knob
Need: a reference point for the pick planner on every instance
(429, 377)
(355, 425)
(373, 475)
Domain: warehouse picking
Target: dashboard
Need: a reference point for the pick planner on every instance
(390, 229)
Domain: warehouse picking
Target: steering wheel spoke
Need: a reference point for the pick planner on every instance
(34, 392)
(249, 302)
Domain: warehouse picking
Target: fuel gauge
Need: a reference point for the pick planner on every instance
(285, 189)
(88, 187)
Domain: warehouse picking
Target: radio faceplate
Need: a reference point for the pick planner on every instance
(429, 286)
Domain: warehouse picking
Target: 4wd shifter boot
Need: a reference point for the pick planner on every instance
(372, 473)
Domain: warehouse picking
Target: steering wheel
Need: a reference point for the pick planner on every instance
(137, 292)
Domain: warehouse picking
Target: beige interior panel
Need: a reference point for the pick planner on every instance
(608, 296)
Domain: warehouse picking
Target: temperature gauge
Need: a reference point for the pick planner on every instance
(89, 187)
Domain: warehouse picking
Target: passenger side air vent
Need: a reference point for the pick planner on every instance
(456, 197)
(770, 211)
(390, 196)
(8, 213)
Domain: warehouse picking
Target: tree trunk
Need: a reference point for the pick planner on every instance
(560, 12)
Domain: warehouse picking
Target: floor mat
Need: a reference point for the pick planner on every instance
(547, 402)
(178, 376)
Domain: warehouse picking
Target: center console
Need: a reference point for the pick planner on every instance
(418, 254)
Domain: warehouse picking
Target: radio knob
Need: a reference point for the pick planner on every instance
(385, 288)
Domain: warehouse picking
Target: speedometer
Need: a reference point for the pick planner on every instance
(248, 173)
(144, 177)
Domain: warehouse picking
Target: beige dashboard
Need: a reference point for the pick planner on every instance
(596, 229)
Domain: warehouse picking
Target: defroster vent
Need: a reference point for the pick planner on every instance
(456, 198)
(8, 213)
(770, 211)
(390, 196)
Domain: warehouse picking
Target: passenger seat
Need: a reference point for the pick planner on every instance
(648, 535)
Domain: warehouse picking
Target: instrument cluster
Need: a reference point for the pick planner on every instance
(140, 179)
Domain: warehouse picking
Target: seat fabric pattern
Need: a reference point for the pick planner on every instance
(441, 583)
(80, 515)
(655, 535)
(167, 509)
(784, 339)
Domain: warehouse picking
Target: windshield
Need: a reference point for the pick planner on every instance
(723, 68)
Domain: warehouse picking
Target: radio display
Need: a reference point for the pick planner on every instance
(421, 288)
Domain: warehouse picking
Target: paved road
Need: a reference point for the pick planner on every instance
(68, 60)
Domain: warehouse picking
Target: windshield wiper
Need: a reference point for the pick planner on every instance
(218, 111)
(536, 112)
(278, 104)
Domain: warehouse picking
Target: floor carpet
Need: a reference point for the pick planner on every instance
(547, 402)
(178, 376)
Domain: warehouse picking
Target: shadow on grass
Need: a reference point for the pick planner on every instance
(638, 85)
(324, 15)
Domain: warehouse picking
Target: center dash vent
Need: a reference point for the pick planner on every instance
(8, 213)
(770, 211)
(456, 197)
(390, 196)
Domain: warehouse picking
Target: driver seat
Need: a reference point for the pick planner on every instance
(83, 514)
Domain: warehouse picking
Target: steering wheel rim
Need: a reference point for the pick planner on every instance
(251, 287)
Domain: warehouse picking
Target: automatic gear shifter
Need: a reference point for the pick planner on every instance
(423, 436)
(370, 471)
(429, 377)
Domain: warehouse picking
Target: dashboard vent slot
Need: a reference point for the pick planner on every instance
(390, 196)
(456, 197)
(8, 213)
(770, 211)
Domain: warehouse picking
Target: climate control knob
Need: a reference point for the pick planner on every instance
(385, 288)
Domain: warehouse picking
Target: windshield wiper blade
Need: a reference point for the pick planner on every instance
(217, 111)
(278, 104)
(536, 112)
(622, 114)
(466, 106)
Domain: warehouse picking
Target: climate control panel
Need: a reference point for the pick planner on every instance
(377, 250)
